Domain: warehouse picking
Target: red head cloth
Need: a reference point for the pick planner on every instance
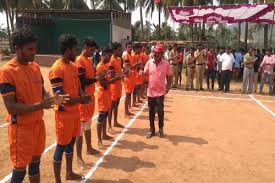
(159, 48)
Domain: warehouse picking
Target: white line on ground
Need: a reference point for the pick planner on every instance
(8, 177)
(262, 105)
(4, 125)
(221, 98)
(100, 160)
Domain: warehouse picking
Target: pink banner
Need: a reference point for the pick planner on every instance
(221, 14)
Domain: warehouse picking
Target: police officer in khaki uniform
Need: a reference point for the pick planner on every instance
(191, 69)
(201, 60)
(173, 56)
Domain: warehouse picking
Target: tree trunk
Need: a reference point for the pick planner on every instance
(93, 4)
(200, 33)
(246, 35)
(203, 31)
(239, 36)
(141, 20)
(191, 34)
(265, 36)
(271, 31)
(8, 27)
(125, 6)
(159, 22)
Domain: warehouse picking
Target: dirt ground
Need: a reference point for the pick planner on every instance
(210, 137)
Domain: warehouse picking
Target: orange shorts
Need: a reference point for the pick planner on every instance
(128, 85)
(87, 110)
(67, 125)
(104, 100)
(116, 91)
(25, 142)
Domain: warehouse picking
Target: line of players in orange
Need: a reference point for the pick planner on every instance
(73, 84)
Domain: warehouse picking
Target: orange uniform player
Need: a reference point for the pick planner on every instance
(21, 86)
(64, 79)
(129, 80)
(104, 96)
(115, 88)
(87, 79)
(137, 63)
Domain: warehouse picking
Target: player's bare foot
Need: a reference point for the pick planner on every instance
(107, 137)
(127, 114)
(101, 146)
(111, 131)
(73, 176)
(82, 164)
(118, 125)
(92, 151)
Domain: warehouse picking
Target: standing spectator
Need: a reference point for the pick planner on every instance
(237, 66)
(166, 54)
(191, 64)
(259, 58)
(267, 67)
(200, 66)
(210, 73)
(159, 73)
(219, 68)
(248, 72)
(227, 59)
(173, 54)
(180, 63)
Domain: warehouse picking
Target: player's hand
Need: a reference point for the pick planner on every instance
(47, 103)
(101, 75)
(85, 99)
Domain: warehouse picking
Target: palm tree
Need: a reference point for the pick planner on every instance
(129, 5)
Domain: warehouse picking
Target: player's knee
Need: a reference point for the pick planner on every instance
(70, 147)
(18, 175)
(102, 117)
(33, 168)
(58, 152)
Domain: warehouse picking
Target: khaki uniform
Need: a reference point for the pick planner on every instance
(200, 68)
(191, 70)
(174, 66)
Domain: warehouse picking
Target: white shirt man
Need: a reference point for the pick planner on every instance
(227, 60)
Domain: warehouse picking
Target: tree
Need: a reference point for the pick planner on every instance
(129, 5)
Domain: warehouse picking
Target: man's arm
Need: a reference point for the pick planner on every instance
(14, 107)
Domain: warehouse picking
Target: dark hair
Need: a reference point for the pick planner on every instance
(90, 42)
(129, 43)
(137, 46)
(115, 46)
(22, 36)
(67, 41)
(106, 51)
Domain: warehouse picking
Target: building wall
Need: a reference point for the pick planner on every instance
(119, 34)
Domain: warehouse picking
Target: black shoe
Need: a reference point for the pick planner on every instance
(161, 135)
(150, 134)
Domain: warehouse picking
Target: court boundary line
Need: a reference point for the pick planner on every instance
(217, 97)
(8, 177)
(262, 105)
(100, 160)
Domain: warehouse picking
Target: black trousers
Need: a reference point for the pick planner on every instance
(156, 103)
(210, 74)
(226, 78)
(219, 77)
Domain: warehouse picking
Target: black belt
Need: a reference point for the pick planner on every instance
(192, 67)
(173, 64)
(199, 64)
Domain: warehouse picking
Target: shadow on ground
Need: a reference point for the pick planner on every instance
(109, 181)
(176, 139)
(125, 164)
(135, 146)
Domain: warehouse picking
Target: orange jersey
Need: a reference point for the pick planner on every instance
(66, 121)
(116, 88)
(25, 83)
(138, 76)
(104, 95)
(85, 66)
(129, 81)
(145, 58)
